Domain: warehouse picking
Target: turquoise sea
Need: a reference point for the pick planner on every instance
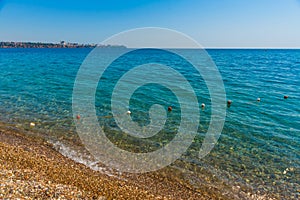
(258, 151)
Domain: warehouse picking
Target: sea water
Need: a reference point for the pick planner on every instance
(259, 148)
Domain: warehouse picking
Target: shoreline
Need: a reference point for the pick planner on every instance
(31, 167)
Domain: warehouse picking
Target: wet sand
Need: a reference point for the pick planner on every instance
(31, 168)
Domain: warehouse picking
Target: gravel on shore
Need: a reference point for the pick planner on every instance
(31, 168)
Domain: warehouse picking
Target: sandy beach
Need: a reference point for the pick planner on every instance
(31, 168)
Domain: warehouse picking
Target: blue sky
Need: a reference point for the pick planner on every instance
(213, 23)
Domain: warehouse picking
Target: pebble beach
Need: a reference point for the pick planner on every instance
(31, 168)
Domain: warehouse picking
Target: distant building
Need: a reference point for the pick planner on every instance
(63, 43)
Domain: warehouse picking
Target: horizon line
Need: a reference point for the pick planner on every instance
(204, 47)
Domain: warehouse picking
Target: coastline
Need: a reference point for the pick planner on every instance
(43, 45)
(31, 168)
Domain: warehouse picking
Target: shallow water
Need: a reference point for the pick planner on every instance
(259, 148)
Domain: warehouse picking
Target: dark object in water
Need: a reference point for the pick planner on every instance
(229, 103)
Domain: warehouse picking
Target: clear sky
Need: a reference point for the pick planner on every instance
(213, 23)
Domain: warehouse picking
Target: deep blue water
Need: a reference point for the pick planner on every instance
(260, 144)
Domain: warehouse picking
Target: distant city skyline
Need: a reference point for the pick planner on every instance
(219, 23)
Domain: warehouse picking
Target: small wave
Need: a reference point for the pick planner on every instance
(82, 158)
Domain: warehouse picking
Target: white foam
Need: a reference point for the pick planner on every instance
(81, 157)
